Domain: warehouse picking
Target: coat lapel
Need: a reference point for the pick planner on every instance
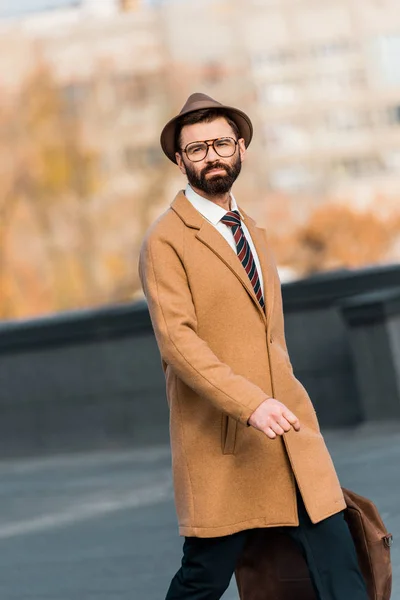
(209, 236)
(217, 244)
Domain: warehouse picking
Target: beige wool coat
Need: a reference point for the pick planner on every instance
(222, 356)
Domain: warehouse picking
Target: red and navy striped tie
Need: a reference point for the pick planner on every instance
(232, 219)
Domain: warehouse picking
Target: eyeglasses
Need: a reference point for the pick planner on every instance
(197, 151)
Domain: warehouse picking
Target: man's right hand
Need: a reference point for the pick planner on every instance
(273, 418)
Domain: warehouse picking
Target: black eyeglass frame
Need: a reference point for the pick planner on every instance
(211, 143)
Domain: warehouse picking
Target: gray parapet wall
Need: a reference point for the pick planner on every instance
(373, 322)
(93, 378)
(318, 339)
(80, 380)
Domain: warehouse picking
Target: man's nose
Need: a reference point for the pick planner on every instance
(211, 155)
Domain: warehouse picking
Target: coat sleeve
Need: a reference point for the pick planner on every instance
(173, 317)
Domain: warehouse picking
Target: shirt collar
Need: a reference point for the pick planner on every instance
(211, 211)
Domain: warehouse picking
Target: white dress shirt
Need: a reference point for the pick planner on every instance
(214, 213)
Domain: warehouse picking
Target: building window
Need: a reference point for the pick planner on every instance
(384, 54)
(287, 137)
(154, 156)
(393, 114)
(139, 157)
(133, 157)
(391, 160)
(347, 120)
(355, 79)
(359, 167)
(74, 96)
(277, 57)
(331, 48)
(326, 86)
(213, 73)
(293, 178)
(131, 88)
(279, 93)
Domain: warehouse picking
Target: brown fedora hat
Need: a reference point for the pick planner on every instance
(200, 101)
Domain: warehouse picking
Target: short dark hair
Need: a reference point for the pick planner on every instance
(205, 115)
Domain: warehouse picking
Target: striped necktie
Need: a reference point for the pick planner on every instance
(232, 219)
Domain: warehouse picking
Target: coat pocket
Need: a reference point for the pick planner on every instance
(228, 434)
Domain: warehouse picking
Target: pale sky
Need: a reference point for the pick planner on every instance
(15, 8)
(11, 8)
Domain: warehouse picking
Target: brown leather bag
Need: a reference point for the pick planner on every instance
(273, 567)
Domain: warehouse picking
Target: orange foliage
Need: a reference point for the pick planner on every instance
(66, 241)
(336, 236)
(44, 162)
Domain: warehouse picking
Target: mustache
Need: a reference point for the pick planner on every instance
(215, 166)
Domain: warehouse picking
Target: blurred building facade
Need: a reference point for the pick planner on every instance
(328, 90)
(110, 69)
(319, 80)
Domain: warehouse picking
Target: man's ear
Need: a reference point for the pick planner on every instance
(180, 162)
(242, 148)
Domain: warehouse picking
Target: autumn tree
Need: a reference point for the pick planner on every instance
(45, 164)
(88, 222)
(338, 236)
(61, 168)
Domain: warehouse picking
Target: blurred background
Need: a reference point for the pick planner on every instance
(86, 87)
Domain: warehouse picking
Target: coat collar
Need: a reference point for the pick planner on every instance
(209, 236)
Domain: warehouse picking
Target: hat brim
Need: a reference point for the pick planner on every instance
(167, 138)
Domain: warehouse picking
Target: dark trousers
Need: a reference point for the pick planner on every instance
(209, 563)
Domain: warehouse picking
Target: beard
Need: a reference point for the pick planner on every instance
(216, 184)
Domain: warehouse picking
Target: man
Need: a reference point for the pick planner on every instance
(247, 451)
